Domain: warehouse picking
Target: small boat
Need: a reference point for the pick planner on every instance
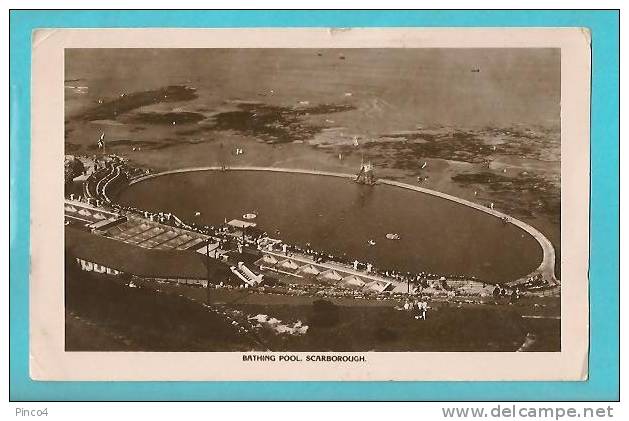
(197, 213)
(393, 236)
(249, 216)
(371, 242)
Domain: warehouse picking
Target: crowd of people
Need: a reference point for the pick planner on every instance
(499, 292)
(536, 282)
(419, 308)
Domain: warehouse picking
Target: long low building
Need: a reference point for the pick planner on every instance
(151, 263)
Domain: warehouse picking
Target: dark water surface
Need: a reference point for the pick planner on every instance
(340, 216)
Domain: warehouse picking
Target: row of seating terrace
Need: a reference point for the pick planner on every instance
(152, 235)
(84, 216)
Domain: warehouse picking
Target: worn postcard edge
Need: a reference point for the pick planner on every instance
(49, 361)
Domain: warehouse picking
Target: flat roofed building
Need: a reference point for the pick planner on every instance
(237, 223)
(143, 262)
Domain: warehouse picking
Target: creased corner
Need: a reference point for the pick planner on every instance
(36, 371)
(39, 36)
(587, 35)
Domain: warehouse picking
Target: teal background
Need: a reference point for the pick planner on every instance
(603, 383)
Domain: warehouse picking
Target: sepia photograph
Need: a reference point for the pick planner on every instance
(312, 199)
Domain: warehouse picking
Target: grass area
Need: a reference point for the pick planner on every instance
(372, 328)
(105, 315)
(84, 335)
(375, 325)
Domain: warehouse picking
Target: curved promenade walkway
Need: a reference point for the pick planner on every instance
(546, 267)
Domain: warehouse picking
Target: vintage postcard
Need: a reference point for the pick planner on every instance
(310, 204)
